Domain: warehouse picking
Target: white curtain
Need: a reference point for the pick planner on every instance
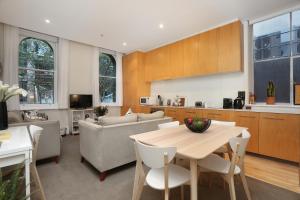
(63, 74)
(10, 62)
(119, 79)
(95, 77)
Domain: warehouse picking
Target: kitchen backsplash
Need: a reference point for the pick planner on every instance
(210, 89)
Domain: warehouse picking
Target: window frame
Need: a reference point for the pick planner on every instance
(53, 42)
(118, 79)
(291, 56)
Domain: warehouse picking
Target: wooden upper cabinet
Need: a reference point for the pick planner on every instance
(176, 60)
(191, 56)
(215, 51)
(249, 120)
(230, 51)
(208, 52)
(157, 64)
(279, 136)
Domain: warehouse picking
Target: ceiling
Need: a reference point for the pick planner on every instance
(109, 23)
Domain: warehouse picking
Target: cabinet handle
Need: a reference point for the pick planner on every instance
(247, 116)
(213, 114)
(272, 118)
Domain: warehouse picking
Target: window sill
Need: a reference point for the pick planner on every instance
(38, 106)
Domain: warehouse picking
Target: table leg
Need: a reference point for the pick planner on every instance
(194, 179)
(27, 177)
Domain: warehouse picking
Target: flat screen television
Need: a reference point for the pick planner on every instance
(81, 101)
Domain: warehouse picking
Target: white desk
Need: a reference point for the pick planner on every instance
(16, 150)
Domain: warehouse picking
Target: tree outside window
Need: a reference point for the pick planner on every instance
(36, 71)
(107, 78)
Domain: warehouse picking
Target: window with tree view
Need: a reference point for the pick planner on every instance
(36, 71)
(275, 54)
(107, 78)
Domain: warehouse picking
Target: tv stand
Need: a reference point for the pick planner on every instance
(78, 114)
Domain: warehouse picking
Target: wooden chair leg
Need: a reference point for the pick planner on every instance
(166, 194)
(231, 189)
(38, 182)
(140, 187)
(244, 181)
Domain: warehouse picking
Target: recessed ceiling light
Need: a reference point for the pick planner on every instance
(161, 26)
(47, 21)
(124, 44)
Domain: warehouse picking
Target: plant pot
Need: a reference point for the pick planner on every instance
(3, 116)
(270, 100)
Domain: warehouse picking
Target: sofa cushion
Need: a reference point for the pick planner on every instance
(105, 121)
(14, 117)
(155, 115)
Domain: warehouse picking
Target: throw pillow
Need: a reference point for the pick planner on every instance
(14, 117)
(105, 121)
(155, 115)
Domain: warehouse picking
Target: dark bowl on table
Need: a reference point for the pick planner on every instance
(197, 125)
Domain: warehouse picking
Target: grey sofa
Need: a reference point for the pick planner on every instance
(49, 143)
(108, 147)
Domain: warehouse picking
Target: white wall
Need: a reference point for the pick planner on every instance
(80, 69)
(210, 89)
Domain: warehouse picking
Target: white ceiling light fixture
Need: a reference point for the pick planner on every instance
(161, 26)
(124, 44)
(47, 21)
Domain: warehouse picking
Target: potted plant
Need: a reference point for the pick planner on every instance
(100, 111)
(12, 187)
(270, 93)
(7, 92)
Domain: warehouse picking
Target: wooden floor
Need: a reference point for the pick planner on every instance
(279, 173)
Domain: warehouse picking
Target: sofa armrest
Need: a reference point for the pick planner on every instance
(91, 142)
(49, 143)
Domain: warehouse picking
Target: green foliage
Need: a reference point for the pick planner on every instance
(271, 89)
(12, 188)
(107, 79)
(100, 110)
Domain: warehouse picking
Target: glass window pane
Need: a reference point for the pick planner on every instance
(35, 53)
(279, 72)
(296, 32)
(107, 89)
(272, 38)
(38, 84)
(107, 65)
(296, 63)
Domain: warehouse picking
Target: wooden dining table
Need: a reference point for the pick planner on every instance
(190, 145)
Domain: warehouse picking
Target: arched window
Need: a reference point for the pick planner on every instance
(107, 78)
(37, 71)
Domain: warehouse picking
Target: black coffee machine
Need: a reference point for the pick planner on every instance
(239, 102)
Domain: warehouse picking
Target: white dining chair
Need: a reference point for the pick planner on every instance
(162, 174)
(223, 149)
(35, 132)
(227, 168)
(168, 125)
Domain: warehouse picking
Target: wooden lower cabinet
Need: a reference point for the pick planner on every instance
(221, 115)
(251, 121)
(279, 136)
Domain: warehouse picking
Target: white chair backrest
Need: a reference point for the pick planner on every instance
(225, 123)
(153, 157)
(168, 125)
(35, 132)
(242, 141)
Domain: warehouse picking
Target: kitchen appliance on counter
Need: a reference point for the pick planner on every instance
(239, 102)
(227, 103)
(198, 104)
(147, 101)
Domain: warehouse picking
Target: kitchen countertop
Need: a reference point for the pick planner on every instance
(277, 108)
